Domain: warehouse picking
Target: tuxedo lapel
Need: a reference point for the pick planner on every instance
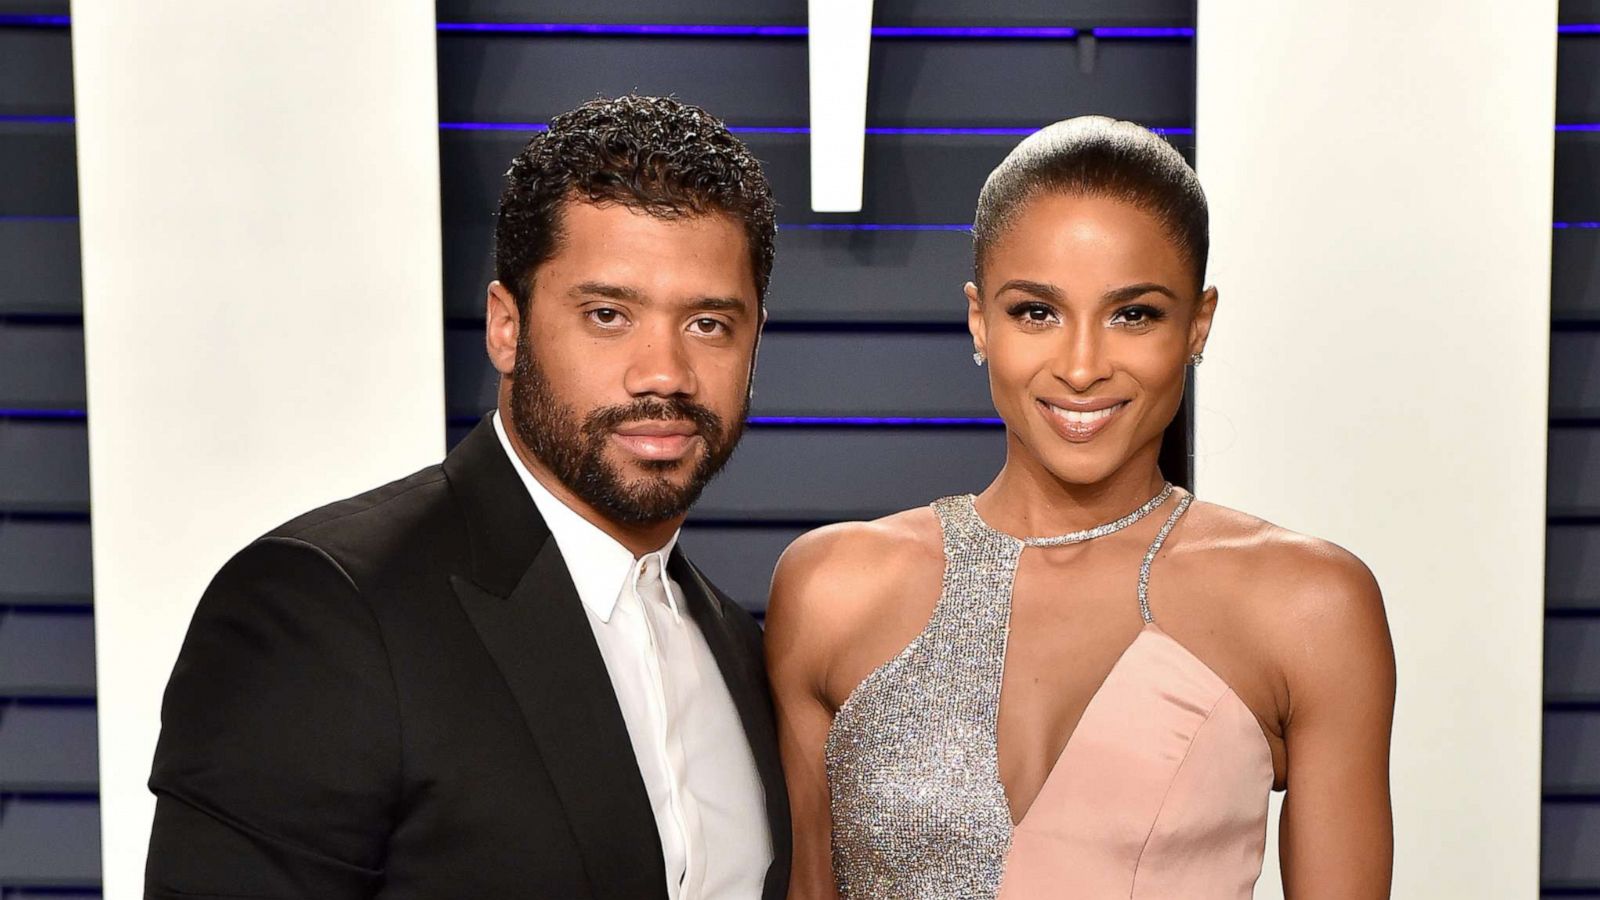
(524, 607)
(743, 672)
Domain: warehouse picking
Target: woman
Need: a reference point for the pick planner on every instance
(1082, 682)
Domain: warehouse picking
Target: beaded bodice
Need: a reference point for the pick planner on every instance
(918, 807)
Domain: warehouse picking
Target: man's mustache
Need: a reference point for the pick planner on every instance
(657, 409)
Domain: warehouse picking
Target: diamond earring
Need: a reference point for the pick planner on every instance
(1197, 359)
(978, 357)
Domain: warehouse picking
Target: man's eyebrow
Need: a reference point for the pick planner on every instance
(603, 289)
(1039, 289)
(718, 304)
(1131, 291)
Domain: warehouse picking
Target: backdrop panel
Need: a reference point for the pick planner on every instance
(261, 307)
(1379, 367)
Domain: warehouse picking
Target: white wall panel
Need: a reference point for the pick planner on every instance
(260, 212)
(1380, 184)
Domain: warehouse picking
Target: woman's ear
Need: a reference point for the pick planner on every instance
(975, 323)
(1200, 326)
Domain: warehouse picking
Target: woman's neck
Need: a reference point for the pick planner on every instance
(1028, 500)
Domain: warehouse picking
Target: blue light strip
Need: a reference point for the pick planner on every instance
(961, 131)
(1020, 132)
(972, 32)
(796, 129)
(493, 126)
(1143, 33)
(625, 29)
(1585, 225)
(888, 32)
(742, 129)
(35, 21)
(1579, 126)
(58, 415)
(978, 33)
(28, 218)
(38, 120)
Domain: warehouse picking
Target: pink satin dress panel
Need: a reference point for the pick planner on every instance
(1159, 794)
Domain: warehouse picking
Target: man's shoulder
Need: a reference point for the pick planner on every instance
(383, 529)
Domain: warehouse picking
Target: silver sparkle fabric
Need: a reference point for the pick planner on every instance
(918, 807)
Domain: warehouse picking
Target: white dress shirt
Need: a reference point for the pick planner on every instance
(686, 734)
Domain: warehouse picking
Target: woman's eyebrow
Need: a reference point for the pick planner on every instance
(1131, 291)
(1036, 288)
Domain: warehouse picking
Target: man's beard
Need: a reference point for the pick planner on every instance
(575, 451)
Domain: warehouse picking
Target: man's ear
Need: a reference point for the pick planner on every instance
(503, 324)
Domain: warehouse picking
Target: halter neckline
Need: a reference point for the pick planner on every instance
(1076, 537)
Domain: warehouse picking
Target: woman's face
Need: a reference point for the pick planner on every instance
(1088, 317)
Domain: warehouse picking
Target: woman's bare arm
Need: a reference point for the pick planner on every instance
(1336, 838)
(799, 635)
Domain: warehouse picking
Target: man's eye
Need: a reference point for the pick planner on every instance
(605, 315)
(708, 326)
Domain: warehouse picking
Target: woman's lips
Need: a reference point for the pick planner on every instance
(1079, 426)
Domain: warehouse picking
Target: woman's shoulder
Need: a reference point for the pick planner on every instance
(1248, 543)
(1287, 580)
(836, 576)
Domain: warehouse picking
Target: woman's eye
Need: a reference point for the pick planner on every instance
(1138, 315)
(1033, 313)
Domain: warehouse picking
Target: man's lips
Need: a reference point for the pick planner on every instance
(657, 440)
(668, 428)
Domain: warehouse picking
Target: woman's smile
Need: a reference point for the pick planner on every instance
(1079, 422)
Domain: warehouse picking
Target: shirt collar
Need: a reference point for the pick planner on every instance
(601, 568)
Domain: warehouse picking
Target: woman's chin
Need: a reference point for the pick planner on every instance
(1077, 466)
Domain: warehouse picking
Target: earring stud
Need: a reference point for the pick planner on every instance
(978, 357)
(1196, 359)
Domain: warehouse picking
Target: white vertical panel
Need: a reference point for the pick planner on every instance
(259, 188)
(1380, 185)
(839, 43)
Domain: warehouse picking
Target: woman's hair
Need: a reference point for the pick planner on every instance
(1093, 156)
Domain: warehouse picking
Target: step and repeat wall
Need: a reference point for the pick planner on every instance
(866, 400)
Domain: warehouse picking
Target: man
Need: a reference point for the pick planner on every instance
(500, 677)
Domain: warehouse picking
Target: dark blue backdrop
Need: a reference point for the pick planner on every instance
(867, 323)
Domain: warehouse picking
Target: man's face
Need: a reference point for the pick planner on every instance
(631, 374)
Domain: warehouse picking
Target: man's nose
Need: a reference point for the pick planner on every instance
(659, 364)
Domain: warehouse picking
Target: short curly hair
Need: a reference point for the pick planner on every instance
(653, 154)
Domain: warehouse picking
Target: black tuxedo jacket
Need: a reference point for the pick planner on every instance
(399, 696)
